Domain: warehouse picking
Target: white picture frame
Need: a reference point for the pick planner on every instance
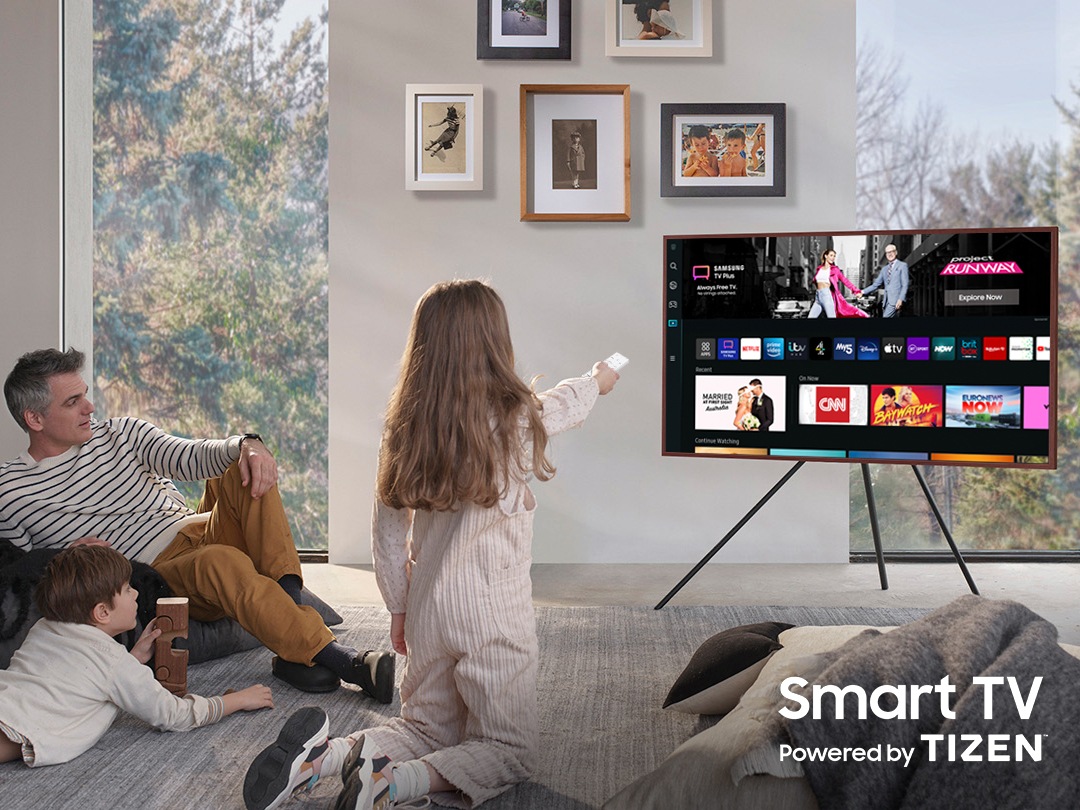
(444, 137)
(691, 33)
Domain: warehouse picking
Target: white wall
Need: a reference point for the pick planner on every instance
(576, 291)
(30, 214)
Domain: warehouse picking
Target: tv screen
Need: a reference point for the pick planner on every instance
(914, 347)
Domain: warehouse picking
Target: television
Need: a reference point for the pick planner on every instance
(760, 363)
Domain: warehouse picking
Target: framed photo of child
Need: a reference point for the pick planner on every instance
(658, 28)
(444, 137)
(575, 152)
(722, 150)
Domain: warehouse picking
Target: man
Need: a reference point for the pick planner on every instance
(761, 406)
(111, 483)
(893, 278)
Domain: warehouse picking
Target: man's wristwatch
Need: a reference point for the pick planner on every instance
(255, 436)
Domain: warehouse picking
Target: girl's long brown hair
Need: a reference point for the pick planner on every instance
(453, 425)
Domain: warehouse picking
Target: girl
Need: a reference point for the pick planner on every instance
(451, 542)
(449, 135)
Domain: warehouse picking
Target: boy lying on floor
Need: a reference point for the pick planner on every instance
(70, 678)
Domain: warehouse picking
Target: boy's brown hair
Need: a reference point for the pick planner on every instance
(77, 579)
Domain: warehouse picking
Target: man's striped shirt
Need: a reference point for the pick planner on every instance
(117, 486)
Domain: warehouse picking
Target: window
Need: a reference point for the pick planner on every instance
(210, 228)
(949, 137)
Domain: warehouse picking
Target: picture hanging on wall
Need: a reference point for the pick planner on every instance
(523, 29)
(658, 28)
(722, 150)
(575, 152)
(444, 137)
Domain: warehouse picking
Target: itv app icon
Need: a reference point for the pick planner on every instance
(797, 348)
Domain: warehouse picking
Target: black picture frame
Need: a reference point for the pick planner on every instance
(765, 167)
(489, 30)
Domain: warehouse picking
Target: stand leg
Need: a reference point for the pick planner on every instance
(729, 535)
(945, 530)
(871, 506)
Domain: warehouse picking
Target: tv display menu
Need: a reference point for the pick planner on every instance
(809, 345)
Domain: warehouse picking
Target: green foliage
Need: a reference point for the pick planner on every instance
(211, 223)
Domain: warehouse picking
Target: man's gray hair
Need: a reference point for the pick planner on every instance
(27, 386)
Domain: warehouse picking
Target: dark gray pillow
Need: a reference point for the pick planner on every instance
(724, 667)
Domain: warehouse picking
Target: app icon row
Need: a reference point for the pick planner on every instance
(1016, 347)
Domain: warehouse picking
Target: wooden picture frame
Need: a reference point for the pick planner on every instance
(521, 33)
(444, 137)
(575, 152)
(723, 150)
(688, 30)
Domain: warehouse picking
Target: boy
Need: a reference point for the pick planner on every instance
(700, 162)
(732, 163)
(70, 678)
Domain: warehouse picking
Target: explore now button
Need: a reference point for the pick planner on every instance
(982, 298)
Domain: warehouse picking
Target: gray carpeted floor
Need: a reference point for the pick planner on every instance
(604, 673)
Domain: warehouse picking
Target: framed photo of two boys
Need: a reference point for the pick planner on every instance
(722, 150)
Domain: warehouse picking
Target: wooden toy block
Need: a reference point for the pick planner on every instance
(170, 665)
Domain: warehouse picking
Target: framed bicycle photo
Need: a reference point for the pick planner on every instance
(523, 29)
(444, 137)
(722, 150)
(575, 152)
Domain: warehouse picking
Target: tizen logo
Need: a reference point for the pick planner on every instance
(970, 348)
(819, 348)
(773, 348)
(843, 348)
(943, 348)
(727, 349)
(1042, 348)
(750, 349)
(918, 348)
(833, 403)
(869, 349)
(892, 348)
(995, 348)
(797, 348)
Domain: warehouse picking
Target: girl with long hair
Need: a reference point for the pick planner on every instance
(451, 544)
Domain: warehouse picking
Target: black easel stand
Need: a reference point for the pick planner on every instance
(871, 506)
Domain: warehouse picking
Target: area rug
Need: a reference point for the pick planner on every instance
(604, 672)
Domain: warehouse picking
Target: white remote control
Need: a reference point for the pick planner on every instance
(617, 362)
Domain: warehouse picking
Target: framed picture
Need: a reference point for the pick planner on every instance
(722, 150)
(658, 28)
(444, 137)
(523, 29)
(575, 152)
